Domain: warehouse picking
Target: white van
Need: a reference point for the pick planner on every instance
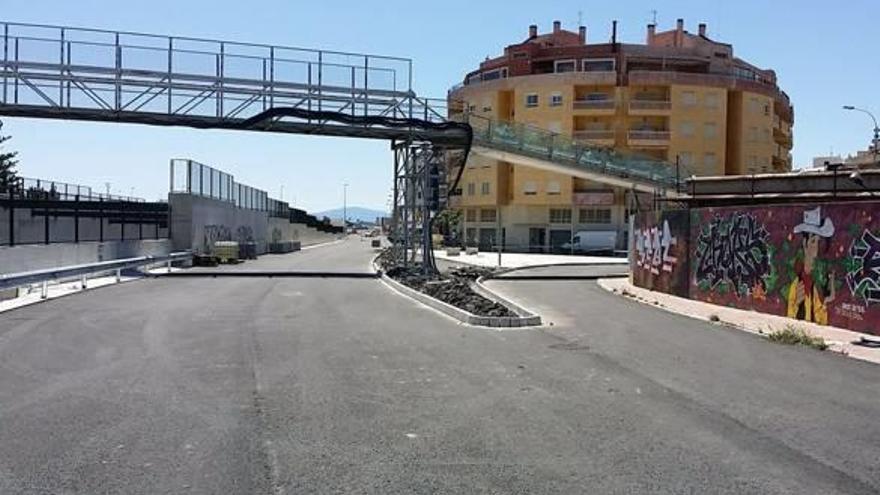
(591, 241)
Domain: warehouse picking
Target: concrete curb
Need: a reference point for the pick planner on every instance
(523, 319)
(504, 271)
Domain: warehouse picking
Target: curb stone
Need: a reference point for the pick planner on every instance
(524, 319)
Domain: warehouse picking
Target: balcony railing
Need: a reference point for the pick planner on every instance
(645, 104)
(603, 104)
(648, 135)
(594, 134)
(781, 137)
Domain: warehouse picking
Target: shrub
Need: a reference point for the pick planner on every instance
(792, 335)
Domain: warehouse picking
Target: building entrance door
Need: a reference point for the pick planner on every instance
(537, 239)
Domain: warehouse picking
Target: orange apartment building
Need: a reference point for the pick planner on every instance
(679, 97)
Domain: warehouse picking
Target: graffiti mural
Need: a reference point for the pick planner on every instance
(732, 250)
(863, 275)
(660, 251)
(816, 262)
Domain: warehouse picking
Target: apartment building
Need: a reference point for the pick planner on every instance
(680, 97)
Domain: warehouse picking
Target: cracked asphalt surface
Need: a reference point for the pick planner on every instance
(258, 385)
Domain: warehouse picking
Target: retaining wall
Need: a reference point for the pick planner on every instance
(197, 222)
(813, 262)
(39, 256)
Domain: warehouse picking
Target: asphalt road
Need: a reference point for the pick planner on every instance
(258, 385)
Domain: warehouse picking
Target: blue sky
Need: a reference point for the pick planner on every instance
(824, 57)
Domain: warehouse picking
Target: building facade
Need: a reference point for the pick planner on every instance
(680, 97)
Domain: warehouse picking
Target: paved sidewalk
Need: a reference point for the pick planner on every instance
(838, 339)
(519, 260)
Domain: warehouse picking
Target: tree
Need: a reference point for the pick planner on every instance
(7, 165)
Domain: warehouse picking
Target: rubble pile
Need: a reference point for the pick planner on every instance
(453, 288)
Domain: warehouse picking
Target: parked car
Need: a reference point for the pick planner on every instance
(592, 241)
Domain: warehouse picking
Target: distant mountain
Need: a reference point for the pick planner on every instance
(354, 213)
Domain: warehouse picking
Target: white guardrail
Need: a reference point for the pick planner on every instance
(13, 280)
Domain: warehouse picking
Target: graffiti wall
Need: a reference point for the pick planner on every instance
(660, 251)
(818, 263)
(815, 262)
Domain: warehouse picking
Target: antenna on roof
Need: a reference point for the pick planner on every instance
(654, 16)
(580, 17)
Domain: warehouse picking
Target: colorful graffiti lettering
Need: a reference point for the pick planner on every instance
(864, 278)
(733, 250)
(653, 246)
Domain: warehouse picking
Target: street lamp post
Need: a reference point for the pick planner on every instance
(876, 141)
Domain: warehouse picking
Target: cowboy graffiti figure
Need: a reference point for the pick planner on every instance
(807, 299)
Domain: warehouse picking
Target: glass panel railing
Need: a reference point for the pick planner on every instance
(536, 142)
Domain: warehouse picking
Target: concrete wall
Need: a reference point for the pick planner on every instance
(197, 222)
(39, 256)
(813, 262)
(308, 235)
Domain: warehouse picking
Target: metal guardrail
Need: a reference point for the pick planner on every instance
(13, 280)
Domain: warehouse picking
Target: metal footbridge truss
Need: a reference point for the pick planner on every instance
(87, 74)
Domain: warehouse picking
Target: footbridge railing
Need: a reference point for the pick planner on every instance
(565, 151)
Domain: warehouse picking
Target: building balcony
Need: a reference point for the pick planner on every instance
(650, 107)
(606, 106)
(603, 137)
(781, 137)
(651, 137)
(779, 164)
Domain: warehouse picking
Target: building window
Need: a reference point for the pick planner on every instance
(484, 188)
(471, 189)
(709, 161)
(495, 74)
(471, 215)
(530, 188)
(556, 100)
(766, 135)
(713, 100)
(687, 129)
(471, 236)
(487, 215)
(563, 66)
(688, 98)
(598, 65)
(532, 100)
(594, 215)
(553, 187)
(686, 158)
(560, 215)
(520, 55)
(710, 130)
(754, 105)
